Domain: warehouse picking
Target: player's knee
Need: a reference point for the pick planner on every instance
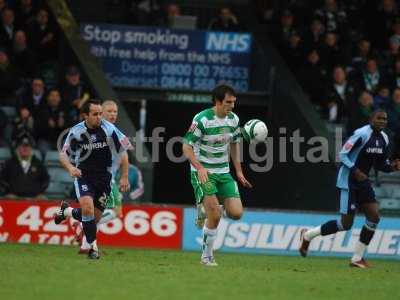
(87, 207)
(374, 218)
(214, 212)
(235, 215)
(347, 224)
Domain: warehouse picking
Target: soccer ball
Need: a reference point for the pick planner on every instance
(255, 130)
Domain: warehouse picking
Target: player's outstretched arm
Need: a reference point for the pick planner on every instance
(124, 180)
(71, 169)
(235, 156)
(201, 171)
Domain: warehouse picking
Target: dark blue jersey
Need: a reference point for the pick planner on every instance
(363, 150)
(93, 150)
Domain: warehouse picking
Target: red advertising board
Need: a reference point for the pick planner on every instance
(140, 226)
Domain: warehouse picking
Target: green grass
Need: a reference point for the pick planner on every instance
(53, 272)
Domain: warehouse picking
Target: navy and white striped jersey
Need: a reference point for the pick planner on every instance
(93, 150)
(363, 150)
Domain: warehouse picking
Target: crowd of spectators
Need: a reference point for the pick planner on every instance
(42, 109)
(44, 112)
(345, 54)
(163, 13)
(29, 41)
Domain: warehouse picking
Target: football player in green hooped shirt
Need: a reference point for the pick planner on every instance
(212, 139)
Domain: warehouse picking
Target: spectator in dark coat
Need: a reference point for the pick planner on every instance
(24, 175)
(34, 98)
(23, 57)
(380, 22)
(3, 124)
(74, 93)
(331, 53)
(50, 122)
(226, 21)
(314, 36)
(293, 52)
(42, 37)
(382, 97)
(25, 13)
(371, 77)
(146, 12)
(396, 144)
(362, 113)
(390, 55)
(359, 59)
(393, 111)
(7, 28)
(396, 31)
(312, 78)
(172, 10)
(285, 30)
(333, 18)
(394, 77)
(9, 81)
(23, 122)
(340, 95)
(3, 5)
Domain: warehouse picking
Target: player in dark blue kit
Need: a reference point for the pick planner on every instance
(366, 148)
(90, 146)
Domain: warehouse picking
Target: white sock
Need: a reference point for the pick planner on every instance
(312, 233)
(68, 212)
(94, 245)
(223, 211)
(108, 215)
(209, 236)
(359, 251)
(85, 245)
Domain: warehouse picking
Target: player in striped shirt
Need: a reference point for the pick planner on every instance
(212, 139)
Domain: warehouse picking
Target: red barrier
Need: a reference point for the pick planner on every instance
(140, 226)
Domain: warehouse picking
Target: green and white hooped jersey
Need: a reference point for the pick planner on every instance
(210, 137)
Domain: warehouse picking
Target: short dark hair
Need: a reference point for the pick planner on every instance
(86, 106)
(372, 57)
(377, 111)
(219, 92)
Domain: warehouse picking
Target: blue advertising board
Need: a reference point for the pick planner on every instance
(152, 57)
(279, 233)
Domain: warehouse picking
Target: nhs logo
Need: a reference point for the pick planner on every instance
(228, 42)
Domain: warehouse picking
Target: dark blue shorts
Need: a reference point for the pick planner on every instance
(96, 187)
(357, 194)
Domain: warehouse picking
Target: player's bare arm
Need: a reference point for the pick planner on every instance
(201, 171)
(235, 156)
(359, 175)
(124, 181)
(71, 169)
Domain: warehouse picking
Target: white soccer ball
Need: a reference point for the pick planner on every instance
(255, 130)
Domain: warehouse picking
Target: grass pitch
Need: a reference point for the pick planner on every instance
(53, 272)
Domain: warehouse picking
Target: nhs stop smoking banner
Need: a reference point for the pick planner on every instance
(140, 226)
(152, 57)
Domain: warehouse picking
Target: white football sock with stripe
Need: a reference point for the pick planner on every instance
(209, 236)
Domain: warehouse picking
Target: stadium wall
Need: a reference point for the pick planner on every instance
(172, 227)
